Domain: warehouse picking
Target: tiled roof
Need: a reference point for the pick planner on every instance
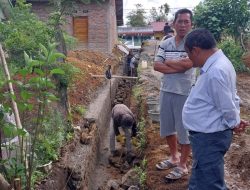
(158, 26)
(135, 30)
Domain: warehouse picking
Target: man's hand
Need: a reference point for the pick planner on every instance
(241, 127)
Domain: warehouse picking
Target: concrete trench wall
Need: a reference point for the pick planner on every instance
(76, 169)
(100, 110)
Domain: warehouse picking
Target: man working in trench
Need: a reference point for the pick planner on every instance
(122, 117)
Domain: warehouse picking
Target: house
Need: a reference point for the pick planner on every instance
(133, 36)
(94, 24)
(158, 28)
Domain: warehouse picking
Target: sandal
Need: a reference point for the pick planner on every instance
(176, 173)
(165, 165)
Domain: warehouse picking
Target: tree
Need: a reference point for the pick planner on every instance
(228, 16)
(153, 15)
(22, 32)
(137, 17)
(161, 15)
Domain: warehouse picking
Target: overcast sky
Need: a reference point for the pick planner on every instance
(129, 5)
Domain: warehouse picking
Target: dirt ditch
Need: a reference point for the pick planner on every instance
(85, 162)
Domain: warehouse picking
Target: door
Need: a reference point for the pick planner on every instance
(80, 28)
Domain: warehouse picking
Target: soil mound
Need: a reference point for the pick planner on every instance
(246, 59)
(83, 87)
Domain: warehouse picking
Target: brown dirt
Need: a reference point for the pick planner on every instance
(83, 88)
(246, 59)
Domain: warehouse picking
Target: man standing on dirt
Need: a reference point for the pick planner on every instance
(211, 112)
(178, 78)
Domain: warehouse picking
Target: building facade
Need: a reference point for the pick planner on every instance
(94, 25)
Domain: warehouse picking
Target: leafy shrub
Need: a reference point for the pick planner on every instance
(141, 172)
(50, 138)
(70, 41)
(23, 32)
(234, 52)
(69, 71)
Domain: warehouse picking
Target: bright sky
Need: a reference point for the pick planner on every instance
(129, 5)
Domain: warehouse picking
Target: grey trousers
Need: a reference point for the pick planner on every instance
(127, 132)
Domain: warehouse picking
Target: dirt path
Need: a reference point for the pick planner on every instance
(237, 165)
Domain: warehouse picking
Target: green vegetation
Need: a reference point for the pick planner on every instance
(69, 71)
(137, 17)
(46, 128)
(22, 32)
(228, 20)
(234, 52)
(50, 138)
(142, 174)
(160, 15)
(223, 16)
(141, 136)
(79, 109)
(33, 58)
(136, 92)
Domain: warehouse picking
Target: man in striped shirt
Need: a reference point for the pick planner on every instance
(179, 76)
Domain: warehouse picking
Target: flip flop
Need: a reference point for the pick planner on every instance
(165, 165)
(175, 174)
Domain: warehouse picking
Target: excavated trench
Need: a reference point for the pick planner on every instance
(84, 163)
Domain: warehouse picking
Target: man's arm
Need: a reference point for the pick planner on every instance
(162, 68)
(180, 65)
(173, 66)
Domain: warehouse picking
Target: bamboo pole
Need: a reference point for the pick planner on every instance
(16, 112)
(14, 105)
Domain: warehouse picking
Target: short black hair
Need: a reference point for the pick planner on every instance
(183, 11)
(201, 38)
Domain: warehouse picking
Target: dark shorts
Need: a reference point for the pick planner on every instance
(208, 151)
